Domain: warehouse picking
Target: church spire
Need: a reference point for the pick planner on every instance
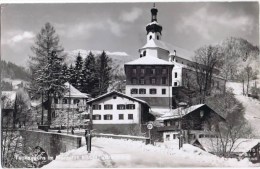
(154, 13)
(153, 29)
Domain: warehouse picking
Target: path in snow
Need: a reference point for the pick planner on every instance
(107, 152)
(252, 107)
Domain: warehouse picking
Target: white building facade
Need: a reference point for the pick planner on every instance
(120, 111)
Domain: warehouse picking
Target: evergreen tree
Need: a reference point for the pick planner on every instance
(104, 73)
(78, 72)
(71, 75)
(90, 76)
(65, 73)
(46, 65)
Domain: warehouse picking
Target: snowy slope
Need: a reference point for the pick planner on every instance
(107, 152)
(252, 107)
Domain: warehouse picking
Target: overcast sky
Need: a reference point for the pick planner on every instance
(121, 27)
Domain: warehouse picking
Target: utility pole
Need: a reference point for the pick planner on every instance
(68, 112)
(42, 110)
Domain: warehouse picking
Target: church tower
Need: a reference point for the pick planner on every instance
(154, 30)
(154, 47)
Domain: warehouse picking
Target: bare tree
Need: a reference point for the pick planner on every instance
(235, 126)
(206, 60)
(12, 142)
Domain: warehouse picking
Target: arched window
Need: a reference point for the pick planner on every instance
(144, 53)
(150, 37)
(158, 37)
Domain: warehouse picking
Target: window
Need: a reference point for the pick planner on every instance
(152, 80)
(114, 97)
(153, 71)
(108, 117)
(144, 53)
(176, 123)
(64, 101)
(164, 80)
(152, 91)
(134, 71)
(96, 107)
(120, 107)
(164, 71)
(157, 37)
(142, 81)
(142, 71)
(175, 83)
(133, 80)
(96, 117)
(121, 117)
(142, 91)
(75, 101)
(150, 37)
(130, 116)
(134, 91)
(108, 106)
(141, 55)
(163, 91)
(167, 137)
(130, 106)
(176, 74)
(176, 60)
(56, 101)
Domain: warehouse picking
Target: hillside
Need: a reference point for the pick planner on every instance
(252, 107)
(239, 53)
(12, 71)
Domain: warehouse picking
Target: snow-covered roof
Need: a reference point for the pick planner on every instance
(154, 43)
(240, 146)
(120, 94)
(149, 60)
(8, 99)
(73, 92)
(35, 103)
(180, 52)
(159, 111)
(179, 112)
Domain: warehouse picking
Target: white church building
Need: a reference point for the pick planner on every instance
(162, 70)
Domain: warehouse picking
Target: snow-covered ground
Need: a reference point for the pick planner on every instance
(108, 152)
(252, 107)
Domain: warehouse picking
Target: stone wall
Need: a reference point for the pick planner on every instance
(52, 143)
